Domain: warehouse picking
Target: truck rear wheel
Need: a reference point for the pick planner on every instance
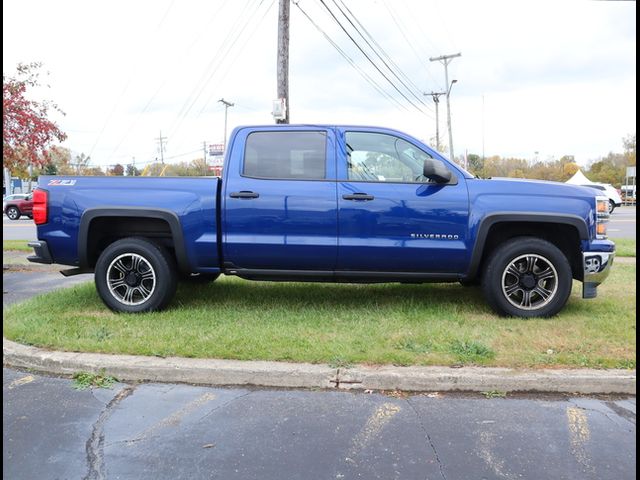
(527, 277)
(135, 275)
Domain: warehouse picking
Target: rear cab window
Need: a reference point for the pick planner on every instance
(287, 155)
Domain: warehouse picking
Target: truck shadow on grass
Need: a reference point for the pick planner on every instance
(292, 296)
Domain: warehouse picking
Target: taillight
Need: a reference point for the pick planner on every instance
(40, 206)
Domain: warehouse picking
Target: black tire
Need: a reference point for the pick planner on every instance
(135, 275)
(199, 277)
(13, 213)
(612, 206)
(470, 283)
(527, 277)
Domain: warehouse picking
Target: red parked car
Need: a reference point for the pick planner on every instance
(14, 206)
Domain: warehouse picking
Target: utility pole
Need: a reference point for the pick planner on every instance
(483, 132)
(436, 99)
(204, 156)
(446, 59)
(161, 140)
(226, 107)
(283, 57)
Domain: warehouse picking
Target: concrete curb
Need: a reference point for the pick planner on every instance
(302, 375)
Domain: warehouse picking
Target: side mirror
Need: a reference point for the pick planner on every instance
(436, 171)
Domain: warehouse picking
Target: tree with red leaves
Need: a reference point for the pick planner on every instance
(27, 133)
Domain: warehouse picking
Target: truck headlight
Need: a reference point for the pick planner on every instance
(602, 217)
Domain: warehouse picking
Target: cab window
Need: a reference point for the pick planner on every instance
(286, 155)
(377, 157)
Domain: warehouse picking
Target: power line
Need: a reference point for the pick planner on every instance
(403, 31)
(127, 84)
(238, 55)
(377, 49)
(369, 58)
(229, 65)
(351, 62)
(163, 83)
(224, 50)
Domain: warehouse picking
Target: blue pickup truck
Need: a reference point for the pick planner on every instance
(327, 204)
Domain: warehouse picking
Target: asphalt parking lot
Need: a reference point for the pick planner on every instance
(169, 431)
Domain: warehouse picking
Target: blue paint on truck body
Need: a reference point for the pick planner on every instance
(247, 221)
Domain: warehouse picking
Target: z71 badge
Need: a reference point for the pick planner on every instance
(62, 182)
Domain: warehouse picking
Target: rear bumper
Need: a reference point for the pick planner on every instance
(41, 252)
(597, 266)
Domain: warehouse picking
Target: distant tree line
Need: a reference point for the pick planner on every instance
(62, 162)
(610, 169)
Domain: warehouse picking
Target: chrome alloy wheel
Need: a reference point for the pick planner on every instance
(131, 279)
(529, 282)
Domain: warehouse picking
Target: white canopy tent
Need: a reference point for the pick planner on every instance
(579, 179)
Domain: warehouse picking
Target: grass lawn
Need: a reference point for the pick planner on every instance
(433, 324)
(16, 245)
(625, 247)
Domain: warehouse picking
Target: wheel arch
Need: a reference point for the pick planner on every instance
(564, 231)
(101, 226)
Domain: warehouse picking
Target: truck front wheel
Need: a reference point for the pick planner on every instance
(135, 275)
(527, 277)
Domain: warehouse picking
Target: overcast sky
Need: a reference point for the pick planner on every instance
(556, 78)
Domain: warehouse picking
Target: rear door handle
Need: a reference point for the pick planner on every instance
(358, 196)
(244, 194)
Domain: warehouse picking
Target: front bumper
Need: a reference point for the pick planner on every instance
(41, 251)
(597, 266)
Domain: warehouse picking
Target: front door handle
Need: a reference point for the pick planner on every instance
(358, 196)
(244, 194)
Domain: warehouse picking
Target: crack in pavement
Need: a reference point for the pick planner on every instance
(225, 404)
(426, 433)
(626, 415)
(622, 412)
(146, 433)
(95, 444)
(174, 419)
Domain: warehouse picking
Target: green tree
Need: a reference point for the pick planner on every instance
(132, 171)
(629, 144)
(60, 157)
(50, 169)
(476, 165)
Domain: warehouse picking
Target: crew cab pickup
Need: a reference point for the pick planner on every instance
(331, 204)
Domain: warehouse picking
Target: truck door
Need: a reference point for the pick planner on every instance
(279, 200)
(390, 217)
